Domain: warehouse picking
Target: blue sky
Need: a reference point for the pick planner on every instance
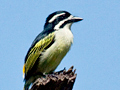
(95, 52)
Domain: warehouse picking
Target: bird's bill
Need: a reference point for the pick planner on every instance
(76, 19)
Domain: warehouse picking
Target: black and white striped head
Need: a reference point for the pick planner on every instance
(60, 19)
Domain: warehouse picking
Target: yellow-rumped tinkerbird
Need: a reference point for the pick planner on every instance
(49, 47)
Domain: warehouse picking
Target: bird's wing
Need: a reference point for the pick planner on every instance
(35, 52)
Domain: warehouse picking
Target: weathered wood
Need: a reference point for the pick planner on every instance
(62, 80)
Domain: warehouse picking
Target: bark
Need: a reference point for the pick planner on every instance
(62, 80)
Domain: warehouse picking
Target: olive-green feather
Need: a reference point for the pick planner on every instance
(35, 52)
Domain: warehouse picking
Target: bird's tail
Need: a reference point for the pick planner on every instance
(28, 82)
(26, 86)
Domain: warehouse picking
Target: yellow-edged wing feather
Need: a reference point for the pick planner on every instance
(35, 52)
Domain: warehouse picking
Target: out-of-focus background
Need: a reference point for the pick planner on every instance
(95, 52)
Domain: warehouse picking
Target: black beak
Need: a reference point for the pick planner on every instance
(76, 19)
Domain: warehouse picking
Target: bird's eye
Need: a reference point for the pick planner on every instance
(62, 16)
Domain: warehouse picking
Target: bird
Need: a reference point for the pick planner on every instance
(49, 47)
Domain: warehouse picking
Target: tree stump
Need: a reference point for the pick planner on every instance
(62, 80)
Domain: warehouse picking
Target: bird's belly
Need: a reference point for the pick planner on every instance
(51, 58)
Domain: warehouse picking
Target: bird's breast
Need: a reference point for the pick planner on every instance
(51, 58)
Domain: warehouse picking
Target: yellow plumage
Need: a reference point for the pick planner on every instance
(36, 51)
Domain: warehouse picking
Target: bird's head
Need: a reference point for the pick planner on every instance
(60, 19)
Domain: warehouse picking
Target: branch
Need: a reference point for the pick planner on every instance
(62, 80)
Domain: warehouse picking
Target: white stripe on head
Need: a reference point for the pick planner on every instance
(54, 17)
(61, 22)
